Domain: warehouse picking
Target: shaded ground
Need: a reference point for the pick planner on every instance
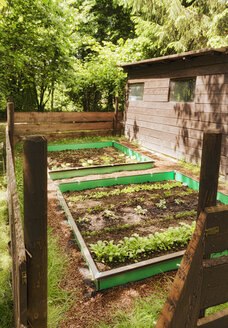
(88, 308)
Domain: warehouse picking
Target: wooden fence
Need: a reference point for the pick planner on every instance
(28, 242)
(67, 124)
(19, 269)
(201, 281)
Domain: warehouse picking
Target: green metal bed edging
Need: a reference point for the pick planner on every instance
(140, 273)
(143, 162)
(82, 185)
(141, 270)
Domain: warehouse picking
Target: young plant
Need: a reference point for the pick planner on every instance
(140, 210)
(179, 201)
(83, 220)
(134, 247)
(109, 214)
(161, 204)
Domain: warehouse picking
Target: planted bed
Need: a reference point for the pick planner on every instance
(68, 161)
(130, 228)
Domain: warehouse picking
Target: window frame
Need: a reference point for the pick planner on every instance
(129, 88)
(182, 79)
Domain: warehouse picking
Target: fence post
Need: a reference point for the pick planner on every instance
(35, 227)
(115, 118)
(209, 172)
(10, 123)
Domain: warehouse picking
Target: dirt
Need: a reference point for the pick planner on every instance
(143, 212)
(87, 157)
(88, 307)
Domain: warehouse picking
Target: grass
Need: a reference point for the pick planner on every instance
(144, 313)
(195, 169)
(216, 308)
(6, 303)
(59, 300)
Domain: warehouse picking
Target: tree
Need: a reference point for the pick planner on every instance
(173, 26)
(35, 50)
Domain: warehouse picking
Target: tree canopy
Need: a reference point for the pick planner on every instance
(63, 55)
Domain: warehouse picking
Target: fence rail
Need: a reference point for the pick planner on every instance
(67, 123)
(19, 270)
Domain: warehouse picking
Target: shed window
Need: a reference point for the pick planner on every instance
(136, 91)
(182, 90)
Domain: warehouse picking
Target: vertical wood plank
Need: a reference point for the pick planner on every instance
(19, 275)
(115, 117)
(35, 227)
(10, 122)
(209, 172)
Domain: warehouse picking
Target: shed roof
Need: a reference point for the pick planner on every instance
(182, 56)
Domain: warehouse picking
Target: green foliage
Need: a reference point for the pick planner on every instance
(6, 302)
(34, 50)
(179, 201)
(186, 214)
(173, 26)
(144, 312)
(126, 190)
(195, 169)
(132, 248)
(59, 300)
(161, 204)
(140, 210)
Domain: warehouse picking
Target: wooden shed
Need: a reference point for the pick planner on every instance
(171, 100)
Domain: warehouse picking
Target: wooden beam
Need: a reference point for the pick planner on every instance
(35, 227)
(182, 305)
(23, 129)
(64, 117)
(215, 282)
(19, 271)
(209, 172)
(216, 320)
(10, 122)
(216, 230)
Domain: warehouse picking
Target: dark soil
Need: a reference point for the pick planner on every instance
(144, 212)
(87, 157)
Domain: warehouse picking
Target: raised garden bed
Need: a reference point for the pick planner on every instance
(68, 161)
(143, 218)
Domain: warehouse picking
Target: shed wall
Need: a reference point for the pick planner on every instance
(176, 128)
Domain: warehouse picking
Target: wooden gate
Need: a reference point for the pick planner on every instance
(202, 279)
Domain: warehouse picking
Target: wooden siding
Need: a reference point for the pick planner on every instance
(173, 128)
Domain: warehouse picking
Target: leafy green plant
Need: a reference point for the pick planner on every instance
(132, 248)
(109, 214)
(179, 201)
(191, 213)
(83, 220)
(162, 204)
(96, 209)
(140, 210)
(128, 190)
(167, 218)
